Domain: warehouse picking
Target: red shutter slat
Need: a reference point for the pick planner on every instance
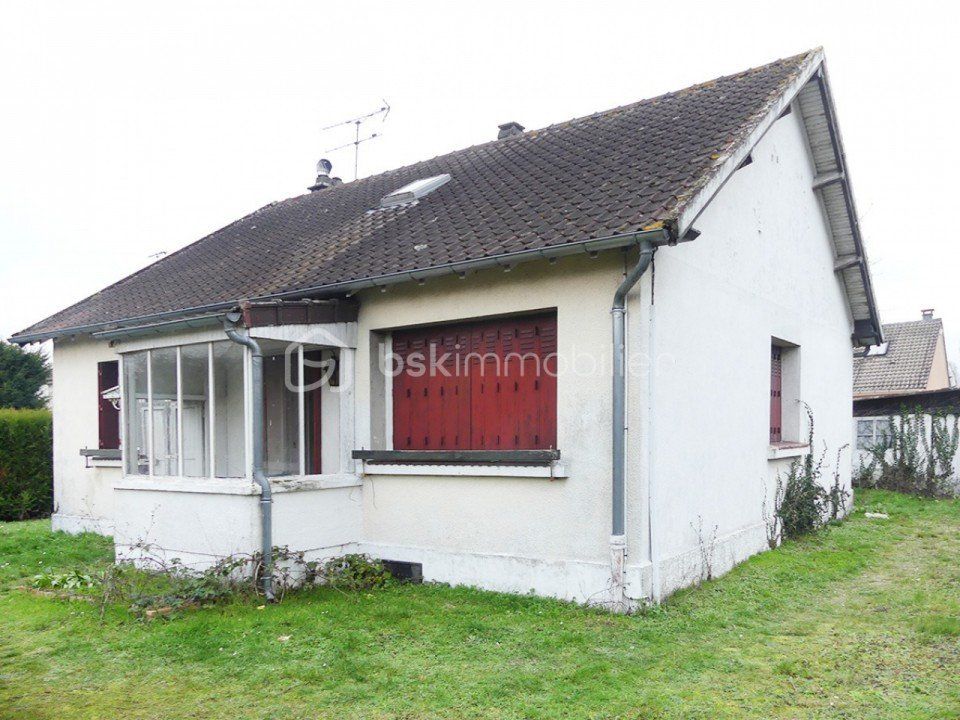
(108, 376)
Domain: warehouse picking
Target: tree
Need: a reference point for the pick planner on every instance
(22, 377)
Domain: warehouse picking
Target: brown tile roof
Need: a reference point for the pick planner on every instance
(907, 363)
(608, 174)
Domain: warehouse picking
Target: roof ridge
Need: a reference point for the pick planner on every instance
(529, 134)
(931, 321)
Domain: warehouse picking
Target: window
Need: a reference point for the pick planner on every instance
(108, 380)
(776, 394)
(195, 387)
(414, 191)
(229, 411)
(164, 447)
(785, 402)
(187, 410)
(281, 415)
(293, 424)
(135, 407)
(182, 407)
(487, 385)
(873, 431)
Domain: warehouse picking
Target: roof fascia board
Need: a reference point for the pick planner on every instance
(813, 68)
(116, 328)
(841, 160)
(161, 328)
(91, 328)
(704, 196)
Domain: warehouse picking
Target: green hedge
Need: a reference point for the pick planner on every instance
(26, 464)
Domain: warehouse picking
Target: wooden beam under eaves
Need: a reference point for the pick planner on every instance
(821, 181)
(846, 261)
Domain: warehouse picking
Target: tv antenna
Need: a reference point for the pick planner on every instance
(380, 112)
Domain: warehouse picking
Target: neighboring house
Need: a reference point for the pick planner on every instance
(912, 358)
(597, 421)
(908, 373)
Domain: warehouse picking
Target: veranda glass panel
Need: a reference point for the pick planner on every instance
(164, 382)
(194, 367)
(318, 366)
(228, 413)
(282, 414)
(135, 412)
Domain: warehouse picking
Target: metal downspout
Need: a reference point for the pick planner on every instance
(618, 520)
(266, 495)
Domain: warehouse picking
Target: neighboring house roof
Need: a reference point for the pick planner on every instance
(930, 401)
(905, 366)
(650, 166)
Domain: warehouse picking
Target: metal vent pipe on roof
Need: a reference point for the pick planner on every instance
(324, 180)
(509, 129)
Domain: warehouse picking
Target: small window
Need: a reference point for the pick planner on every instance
(786, 422)
(876, 350)
(776, 394)
(414, 191)
(871, 432)
(108, 402)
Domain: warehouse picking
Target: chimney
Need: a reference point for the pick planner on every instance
(323, 176)
(927, 314)
(509, 129)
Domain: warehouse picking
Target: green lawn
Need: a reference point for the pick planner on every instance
(860, 622)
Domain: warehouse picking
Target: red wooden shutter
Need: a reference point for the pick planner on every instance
(776, 402)
(108, 376)
(493, 386)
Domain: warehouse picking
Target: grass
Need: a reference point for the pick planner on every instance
(862, 621)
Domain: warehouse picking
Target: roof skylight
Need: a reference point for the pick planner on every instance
(414, 191)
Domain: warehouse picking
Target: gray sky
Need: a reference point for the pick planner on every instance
(132, 128)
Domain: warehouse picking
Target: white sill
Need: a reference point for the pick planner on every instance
(459, 470)
(105, 463)
(236, 486)
(787, 450)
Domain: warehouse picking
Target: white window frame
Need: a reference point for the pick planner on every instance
(791, 400)
(873, 420)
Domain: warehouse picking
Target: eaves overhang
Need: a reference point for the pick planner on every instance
(205, 315)
(810, 90)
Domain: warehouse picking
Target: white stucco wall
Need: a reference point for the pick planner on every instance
(83, 496)
(200, 521)
(508, 533)
(761, 269)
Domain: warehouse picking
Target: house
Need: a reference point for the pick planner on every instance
(570, 361)
(912, 359)
(907, 373)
